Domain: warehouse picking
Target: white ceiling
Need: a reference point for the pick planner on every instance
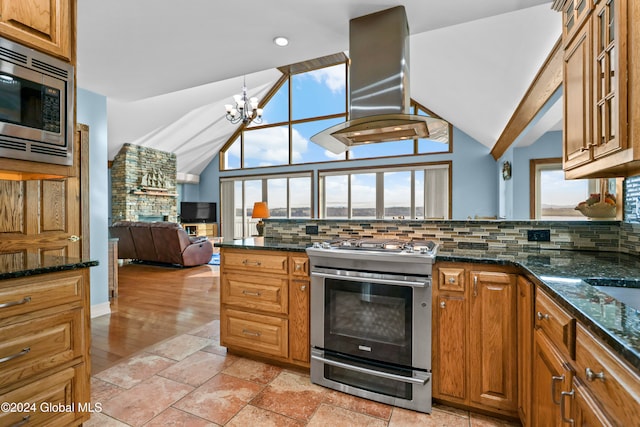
(471, 61)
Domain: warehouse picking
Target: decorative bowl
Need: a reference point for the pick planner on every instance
(597, 210)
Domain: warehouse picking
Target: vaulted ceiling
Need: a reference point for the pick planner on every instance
(167, 68)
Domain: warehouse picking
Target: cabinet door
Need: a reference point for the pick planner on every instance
(585, 410)
(41, 24)
(48, 216)
(524, 308)
(609, 75)
(450, 361)
(578, 138)
(492, 338)
(299, 319)
(551, 378)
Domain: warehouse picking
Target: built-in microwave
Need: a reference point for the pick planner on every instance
(36, 105)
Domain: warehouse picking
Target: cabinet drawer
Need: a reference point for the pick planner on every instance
(255, 261)
(559, 326)
(451, 279)
(35, 346)
(611, 382)
(299, 266)
(22, 296)
(254, 332)
(49, 400)
(265, 293)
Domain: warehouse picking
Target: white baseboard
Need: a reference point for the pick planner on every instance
(100, 309)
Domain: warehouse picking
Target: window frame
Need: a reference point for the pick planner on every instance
(379, 199)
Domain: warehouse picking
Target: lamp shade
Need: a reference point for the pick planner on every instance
(260, 210)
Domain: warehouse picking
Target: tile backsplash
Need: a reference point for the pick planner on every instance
(576, 235)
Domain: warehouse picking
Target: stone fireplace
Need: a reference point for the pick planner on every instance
(143, 185)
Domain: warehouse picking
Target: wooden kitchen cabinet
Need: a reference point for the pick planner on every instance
(44, 346)
(586, 411)
(605, 379)
(552, 376)
(450, 317)
(492, 337)
(264, 299)
(474, 339)
(45, 25)
(554, 348)
(524, 326)
(601, 113)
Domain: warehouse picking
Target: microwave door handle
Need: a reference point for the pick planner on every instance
(371, 280)
(419, 381)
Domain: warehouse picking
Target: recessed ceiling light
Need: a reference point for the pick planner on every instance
(281, 41)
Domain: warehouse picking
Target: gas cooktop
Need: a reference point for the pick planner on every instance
(425, 247)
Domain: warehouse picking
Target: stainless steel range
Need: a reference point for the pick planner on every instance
(371, 319)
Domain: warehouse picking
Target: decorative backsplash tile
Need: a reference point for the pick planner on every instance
(578, 235)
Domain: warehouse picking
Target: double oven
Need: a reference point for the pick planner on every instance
(371, 319)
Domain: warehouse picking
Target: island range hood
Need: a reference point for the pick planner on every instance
(379, 96)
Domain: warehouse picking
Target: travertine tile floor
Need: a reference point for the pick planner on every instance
(190, 381)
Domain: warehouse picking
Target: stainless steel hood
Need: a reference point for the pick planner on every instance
(379, 93)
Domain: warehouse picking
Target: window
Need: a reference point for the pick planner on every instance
(287, 195)
(305, 102)
(553, 197)
(411, 192)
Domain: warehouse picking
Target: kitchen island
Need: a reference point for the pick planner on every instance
(598, 335)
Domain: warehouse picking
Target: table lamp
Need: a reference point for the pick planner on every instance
(260, 210)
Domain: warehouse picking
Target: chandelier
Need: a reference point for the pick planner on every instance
(246, 109)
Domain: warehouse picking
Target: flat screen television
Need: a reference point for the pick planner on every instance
(197, 212)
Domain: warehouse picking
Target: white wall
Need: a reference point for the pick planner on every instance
(92, 111)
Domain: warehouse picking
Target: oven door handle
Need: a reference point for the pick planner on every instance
(386, 375)
(371, 280)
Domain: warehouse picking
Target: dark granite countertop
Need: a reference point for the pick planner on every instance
(559, 272)
(21, 265)
(265, 243)
(562, 274)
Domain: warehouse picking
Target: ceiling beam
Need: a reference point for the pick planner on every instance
(545, 83)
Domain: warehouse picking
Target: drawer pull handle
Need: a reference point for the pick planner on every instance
(555, 379)
(253, 294)
(252, 333)
(24, 420)
(475, 286)
(12, 303)
(592, 376)
(249, 262)
(14, 356)
(542, 316)
(562, 406)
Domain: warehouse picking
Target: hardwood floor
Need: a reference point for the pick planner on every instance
(154, 303)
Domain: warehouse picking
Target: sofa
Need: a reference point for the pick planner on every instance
(162, 242)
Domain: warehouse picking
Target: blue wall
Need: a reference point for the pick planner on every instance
(92, 111)
(548, 145)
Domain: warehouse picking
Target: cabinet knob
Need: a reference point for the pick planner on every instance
(303, 287)
(452, 280)
(592, 376)
(443, 304)
(73, 238)
(542, 316)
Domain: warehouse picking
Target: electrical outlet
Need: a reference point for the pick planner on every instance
(539, 235)
(311, 229)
